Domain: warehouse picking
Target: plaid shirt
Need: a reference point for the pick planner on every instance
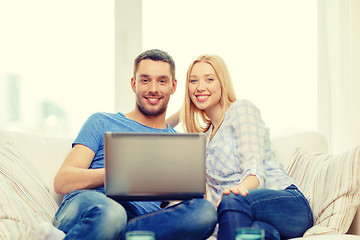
(241, 147)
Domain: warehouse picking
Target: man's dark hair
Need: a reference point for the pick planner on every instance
(155, 55)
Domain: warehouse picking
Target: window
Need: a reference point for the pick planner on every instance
(270, 48)
(56, 64)
(57, 58)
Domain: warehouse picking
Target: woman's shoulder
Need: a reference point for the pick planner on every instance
(243, 105)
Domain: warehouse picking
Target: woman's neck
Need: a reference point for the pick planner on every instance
(216, 117)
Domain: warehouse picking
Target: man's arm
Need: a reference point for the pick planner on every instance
(74, 174)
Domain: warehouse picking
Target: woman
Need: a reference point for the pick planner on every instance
(244, 179)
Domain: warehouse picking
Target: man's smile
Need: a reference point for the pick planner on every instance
(153, 100)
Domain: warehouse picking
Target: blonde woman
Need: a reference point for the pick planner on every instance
(244, 179)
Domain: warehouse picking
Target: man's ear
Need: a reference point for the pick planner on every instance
(173, 87)
(133, 85)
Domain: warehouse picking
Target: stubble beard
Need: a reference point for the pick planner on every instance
(147, 113)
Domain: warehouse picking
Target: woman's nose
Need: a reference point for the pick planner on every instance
(201, 86)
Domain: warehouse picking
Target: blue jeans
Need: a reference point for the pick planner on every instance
(89, 214)
(282, 214)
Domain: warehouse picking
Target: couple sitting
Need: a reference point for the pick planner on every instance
(246, 186)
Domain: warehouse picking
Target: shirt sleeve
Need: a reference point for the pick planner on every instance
(91, 133)
(250, 133)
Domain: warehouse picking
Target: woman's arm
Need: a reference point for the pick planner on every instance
(74, 174)
(173, 120)
(250, 134)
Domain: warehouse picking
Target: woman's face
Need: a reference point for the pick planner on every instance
(204, 87)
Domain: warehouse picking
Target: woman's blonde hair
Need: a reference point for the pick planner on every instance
(194, 119)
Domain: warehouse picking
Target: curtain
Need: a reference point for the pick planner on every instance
(339, 73)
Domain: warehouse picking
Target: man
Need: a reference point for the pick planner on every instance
(86, 212)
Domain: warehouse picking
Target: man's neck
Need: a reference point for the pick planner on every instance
(149, 121)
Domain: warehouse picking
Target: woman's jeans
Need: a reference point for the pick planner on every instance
(282, 214)
(89, 214)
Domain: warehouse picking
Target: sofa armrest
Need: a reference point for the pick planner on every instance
(46, 154)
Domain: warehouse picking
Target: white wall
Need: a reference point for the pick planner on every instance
(270, 48)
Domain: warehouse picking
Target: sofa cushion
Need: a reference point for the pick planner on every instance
(332, 184)
(25, 200)
(286, 143)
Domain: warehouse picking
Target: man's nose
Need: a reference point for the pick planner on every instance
(153, 87)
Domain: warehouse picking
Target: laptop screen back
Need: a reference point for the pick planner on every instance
(152, 166)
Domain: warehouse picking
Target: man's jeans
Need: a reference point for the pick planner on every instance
(282, 214)
(89, 214)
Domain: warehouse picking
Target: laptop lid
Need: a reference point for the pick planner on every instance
(154, 166)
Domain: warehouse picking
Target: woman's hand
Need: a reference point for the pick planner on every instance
(238, 189)
(250, 182)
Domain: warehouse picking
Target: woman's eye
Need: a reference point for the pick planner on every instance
(193, 80)
(210, 79)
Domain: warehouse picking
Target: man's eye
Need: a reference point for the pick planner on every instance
(144, 80)
(162, 81)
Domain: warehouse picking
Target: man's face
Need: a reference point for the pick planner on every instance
(153, 86)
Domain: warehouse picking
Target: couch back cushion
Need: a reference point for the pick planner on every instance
(286, 144)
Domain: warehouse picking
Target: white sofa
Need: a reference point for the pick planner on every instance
(28, 164)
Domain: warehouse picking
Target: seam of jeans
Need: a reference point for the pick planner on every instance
(302, 197)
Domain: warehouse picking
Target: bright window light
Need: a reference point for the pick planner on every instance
(270, 48)
(56, 64)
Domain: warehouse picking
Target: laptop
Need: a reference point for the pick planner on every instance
(154, 166)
